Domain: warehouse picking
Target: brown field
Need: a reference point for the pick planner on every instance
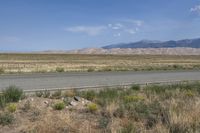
(17, 63)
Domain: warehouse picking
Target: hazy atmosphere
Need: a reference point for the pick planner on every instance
(37, 25)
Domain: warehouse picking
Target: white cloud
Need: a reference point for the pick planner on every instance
(109, 25)
(90, 30)
(119, 25)
(126, 26)
(138, 22)
(130, 31)
(137, 29)
(117, 35)
(116, 26)
(196, 9)
(134, 21)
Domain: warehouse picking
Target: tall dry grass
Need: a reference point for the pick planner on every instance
(150, 109)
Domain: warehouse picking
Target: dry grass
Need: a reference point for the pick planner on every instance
(152, 109)
(12, 63)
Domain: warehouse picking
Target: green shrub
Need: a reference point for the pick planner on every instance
(151, 113)
(2, 70)
(106, 69)
(133, 98)
(59, 106)
(2, 101)
(89, 95)
(11, 107)
(155, 89)
(60, 69)
(167, 91)
(23, 96)
(177, 67)
(92, 107)
(129, 128)
(57, 94)
(108, 93)
(135, 87)
(69, 93)
(161, 89)
(190, 86)
(67, 100)
(107, 96)
(13, 94)
(140, 110)
(91, 69)
(6, 118)
(39, 93)
(46, 94)
(149, 68)
(189, 93)
(103, 122)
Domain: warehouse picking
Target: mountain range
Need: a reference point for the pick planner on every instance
(187, 43)
(150, 47)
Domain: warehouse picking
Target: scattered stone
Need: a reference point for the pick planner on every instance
(83, 102)
(32, 99)
(77, 98)
(73, 103)
(46, 102)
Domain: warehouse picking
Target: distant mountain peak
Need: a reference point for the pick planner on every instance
(190, 43)
(150, 41)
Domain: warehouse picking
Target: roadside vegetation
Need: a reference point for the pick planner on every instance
(43, 63)
(173, 108)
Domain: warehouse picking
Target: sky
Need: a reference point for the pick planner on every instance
(38, 25)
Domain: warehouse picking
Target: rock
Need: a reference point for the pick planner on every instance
(46, 102)
(73, 103)
(77, 98)
(32, 99)
(86, 101)
(83, 102)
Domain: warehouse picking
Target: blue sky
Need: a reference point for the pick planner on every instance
(36, 25)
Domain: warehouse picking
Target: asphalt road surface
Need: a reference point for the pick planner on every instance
(70, 80)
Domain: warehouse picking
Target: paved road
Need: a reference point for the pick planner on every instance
(62, 80)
